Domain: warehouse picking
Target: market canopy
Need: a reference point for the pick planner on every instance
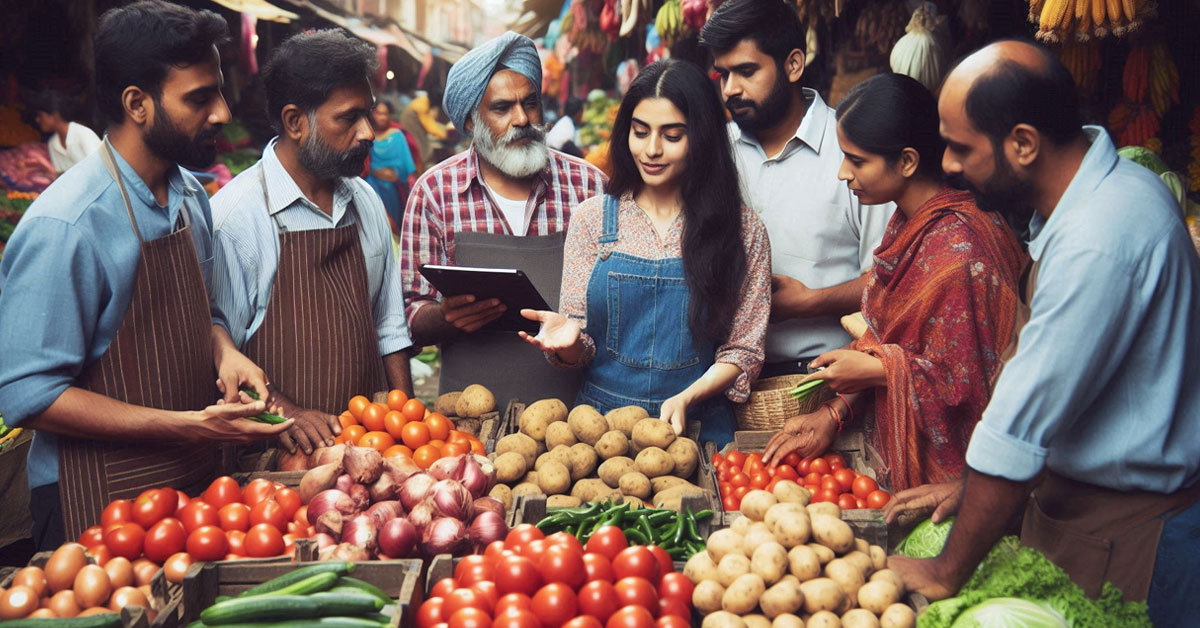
(260, 9)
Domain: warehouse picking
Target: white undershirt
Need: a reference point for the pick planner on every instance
(80, 142)
(513, 210)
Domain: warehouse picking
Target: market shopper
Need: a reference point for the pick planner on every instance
(785, 146)
(108, 345)
(939, 303)
(1098, 412)
(503, 203)
(666, 279)
(391, 162)
(304, 277)
(69, 141)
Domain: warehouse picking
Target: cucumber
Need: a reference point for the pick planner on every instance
(104, 620)
(260, 608)
(340, 568)
(330, 622)
(311, 584)
(363, 585)
(337, 604)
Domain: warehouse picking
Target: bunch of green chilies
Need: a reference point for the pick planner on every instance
(673, 531)
(266, 417)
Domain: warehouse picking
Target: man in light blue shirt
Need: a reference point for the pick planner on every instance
(305, 278)
(1098, 412)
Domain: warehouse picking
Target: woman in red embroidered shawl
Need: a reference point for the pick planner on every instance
(939, 304)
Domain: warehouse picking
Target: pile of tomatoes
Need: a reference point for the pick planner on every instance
(169, 529)
(826, 477)
(529, 580)
(403, 427)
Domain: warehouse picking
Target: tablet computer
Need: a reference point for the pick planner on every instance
(510, 285)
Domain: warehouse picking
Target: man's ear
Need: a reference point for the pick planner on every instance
(138, 105)
(1023, 144)
(469, 125)
(793, 66)
(295, 122)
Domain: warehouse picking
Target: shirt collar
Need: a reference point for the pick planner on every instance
(1100, 159)
(177, 187)
(474, 173)
(811, 131)
(283, 192)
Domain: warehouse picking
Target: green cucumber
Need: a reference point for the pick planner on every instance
(330, 622)
(340, 568)
(104, 620)
(311, 584)
(342, 604)
(260, 608)
(362, 585)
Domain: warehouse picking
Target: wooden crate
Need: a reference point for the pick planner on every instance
(131, 616)
(169, 616)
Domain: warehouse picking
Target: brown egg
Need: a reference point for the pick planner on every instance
(146, 591)
(143, 571)
(32, 577)
(63, 604)
(18, 602)
(95, 610)
(43, 613)
(64, 563)
(176, 567)
(92, 587)
(127, 596)
(120, 572)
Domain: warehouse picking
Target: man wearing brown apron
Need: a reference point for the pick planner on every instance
(304, 276)
(107, 340)
(1094, 425)
(503, 203)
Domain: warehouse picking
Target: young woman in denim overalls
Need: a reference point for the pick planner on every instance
(666, 279)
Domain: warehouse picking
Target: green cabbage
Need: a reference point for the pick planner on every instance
(1143, 157)
(1010, 612)
(926, 540)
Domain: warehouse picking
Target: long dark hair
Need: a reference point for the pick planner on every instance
(714, 258)
(890, 112)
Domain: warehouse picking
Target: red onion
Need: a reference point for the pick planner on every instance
(344, 551)
(422, 515)
(398, 538)
(324, 540)
(414, 489)
(329, 500)
(487, 527)
(404, 465)
(361, 531)
(318, 479)
(364, 464)
(327, 455)
(448, 468)
(451, 499)
(330, 522)
(488, 504)
(383, 512)
(444, 536)
(387, 487)
(476, 478)
(344, 482)
(360, 496)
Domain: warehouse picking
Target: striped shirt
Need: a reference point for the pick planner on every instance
(246, 248)
(451, 197)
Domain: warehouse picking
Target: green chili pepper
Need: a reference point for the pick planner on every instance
(638, 538)
(267, 417)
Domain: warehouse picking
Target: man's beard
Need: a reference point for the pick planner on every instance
(325, 162)
(769, 112)
(1004, 193)
(518, 162)
(165, 140)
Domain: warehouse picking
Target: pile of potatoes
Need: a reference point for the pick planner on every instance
(584, 456)
(466, 407)
(786, 563)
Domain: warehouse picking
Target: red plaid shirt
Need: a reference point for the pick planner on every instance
(451, 198)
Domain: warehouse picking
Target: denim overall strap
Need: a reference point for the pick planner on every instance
(608, 237)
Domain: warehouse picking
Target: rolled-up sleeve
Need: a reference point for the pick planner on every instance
(51, 295)
(745, 347)
(421, 242)
(1085, 314)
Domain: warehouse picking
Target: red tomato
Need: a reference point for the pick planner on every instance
(836, 461)
(268, 511)
(739, 480)
(443, 587)
(198, 514)
(598, 599)
(665, 565)
(208, 543)
(740, 492)
(263, 540)
(165, 538)
(675, 585)
(118, 511)
(770, 471)
(430, 613)
(845, 478)
(522, 534)
(819, 465)
(803, 467)
(878, 499)
(223, 490)
(759, 480)
(514, 601)
(472, 569)
(565, 539)
(725, 488)
(534, 550)
(597, 567)
(636, 591)
(289, 500)
(846, 501)
(257, 490)
(125, 540)
(717, 460)
(237, 542)
(470, 618)
(669, 606)
(812, 477)
(608, 541)
(830, 483)
(671, 621)
(181, 500)
(637, 561)
(630, 617)
(786, 472)
(92, 536)
(825, 495)
(771, 487)
(736, 458)
(517, 574)
(235, 516)
(584, 621)
(863, 486)
(859, 503)
(792, 459)
(492, 552)
(554, 604)
(301, 514)
(730, 503)
(562, 563)
(487, 589)
(100, 553)
(516, 618)
(152, 505)
(461, 598)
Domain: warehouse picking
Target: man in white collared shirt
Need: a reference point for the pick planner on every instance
(304, 277)
(785, 143)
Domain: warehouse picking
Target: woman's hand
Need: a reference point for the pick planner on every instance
(848, 371)
(557, 332)
(940, 499)
(809, 435)
(674, 412)
(386, 174)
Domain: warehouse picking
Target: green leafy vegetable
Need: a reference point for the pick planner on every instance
(926, 540)
(1010, 612)
(801, 392)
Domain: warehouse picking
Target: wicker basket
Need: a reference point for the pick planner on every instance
(770, 404)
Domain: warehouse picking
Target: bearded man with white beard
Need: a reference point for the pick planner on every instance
(505, 202)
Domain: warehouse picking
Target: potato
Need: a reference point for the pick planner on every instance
(821, 594)
(446, 404)
(741, 525)
(686, 455)
(741, 597)
(877, 596)
(862, 561)
(587, 424)
(527, 488)
(722, 619)
(898, 616)
(706, 597)
(756, 621)
(612, 444)
(558, 433)
(824, 619)
(860, 545)
(536, 418)
(583, 461)
(653, 462)
(784, 597)
(887, 575)
(832, 533)
(623, 419)
(722, 542)
(700, 567)
(825, 508)
(790, 527)
(756, 536)
(530, 477)
(503, 493)
(474, 402)
(664, 482)
(732, 567)
(788, 620)
(593, 490)
(612, 469)
(563, 501)
(521, 444)
(878, 557)
(824, 554)
(789, 492)
(769, 561)
(859, 618)
(510, 467)
(635, 484)
(756, 503)
(803, 563)
(847, 575)
(652, 433)
(675, 494)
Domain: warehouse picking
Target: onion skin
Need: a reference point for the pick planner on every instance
(446, 535)
(331, 523)
(361, 531)
(487, 527)
(451, 499)
(344, 551)
(477, 478)
(387, 487)
(318, 479)
(324, 540)
(383, 512)
(360, 496)
(327, 500)
(398, 538)
(414, 490)
(344, 482)
(363, 464)
(489, 504)
(327, 455)
(422, 515)
(448, 468)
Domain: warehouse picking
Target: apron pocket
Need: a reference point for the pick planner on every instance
(648, 322)
(1084, 557)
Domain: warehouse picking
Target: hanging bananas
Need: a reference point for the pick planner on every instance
(669, 23)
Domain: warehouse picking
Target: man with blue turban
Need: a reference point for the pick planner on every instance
(503, 203)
